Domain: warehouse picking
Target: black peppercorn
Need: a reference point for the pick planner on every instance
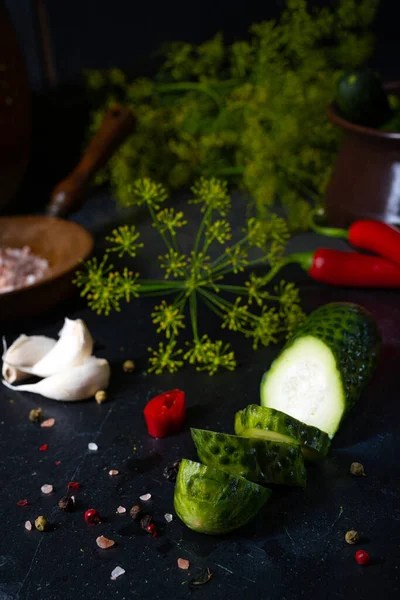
(135, 511)
(171, 471)
(66, 503)
(146, 521)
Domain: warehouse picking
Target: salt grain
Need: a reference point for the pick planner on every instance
(104, 543)
(121, 510)
(168, 517)
(117, 572)
(183, 563)
(28, 525)
(113, 472)
(92, 446)
(145, 497)
(47, 488)
(48, 423)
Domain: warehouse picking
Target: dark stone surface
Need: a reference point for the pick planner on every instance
(295, 548)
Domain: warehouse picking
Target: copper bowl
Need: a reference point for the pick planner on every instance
(64, 244)
(365, 182)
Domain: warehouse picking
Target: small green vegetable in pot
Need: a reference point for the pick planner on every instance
(211, 501)
(258, 460)
(362, 99)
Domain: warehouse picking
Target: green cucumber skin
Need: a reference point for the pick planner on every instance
(362, 98)
(213, 502)
(259, 461)
(270, 419)
(352, 335)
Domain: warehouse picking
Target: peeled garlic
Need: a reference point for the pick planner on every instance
(73, 383)
(24, 351)
(73, 347)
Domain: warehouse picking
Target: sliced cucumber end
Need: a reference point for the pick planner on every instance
(272, 436)
(304, 382)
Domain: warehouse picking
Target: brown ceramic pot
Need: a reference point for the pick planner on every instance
(365, 182)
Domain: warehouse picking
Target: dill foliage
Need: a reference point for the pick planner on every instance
(253, 112)
(253, 310)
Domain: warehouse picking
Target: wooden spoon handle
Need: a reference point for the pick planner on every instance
(70, 194)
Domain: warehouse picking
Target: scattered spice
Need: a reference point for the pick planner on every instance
(41, 523)
(35, 415)
(146, 521)
(168, 517)
(66, 503)
(352, 537)
(121, 510)
(22, 503)
(73, 485)
(28, 525)
(362, 557)
(92, 516)
(135, 511)
(152, 529)
(171, 471)
(48, 422)
(165, 414)
(203, 578)
(357, 469)
(100, 396)
(113, 472)
(44, 448)
(93, 447)
(47, 488)
(128, 366)
(104, 542)
(145, 497)
(183, 563)
(117, 572)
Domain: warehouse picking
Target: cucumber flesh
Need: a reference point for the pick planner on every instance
(324, 367)
(258, 460)
(213, 502)
(267, 423)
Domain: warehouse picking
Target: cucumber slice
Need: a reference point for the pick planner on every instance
(323, 369)
(213, 502)
(269, 424)
(255, 459)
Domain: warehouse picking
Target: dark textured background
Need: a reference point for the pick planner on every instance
(294, 549)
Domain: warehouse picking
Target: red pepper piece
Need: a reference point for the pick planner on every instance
(375, 236)
(349, 268)
(362, 557)
(165, 414)
(44, 448)
(22, 503)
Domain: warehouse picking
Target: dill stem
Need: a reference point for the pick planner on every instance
(193, 315)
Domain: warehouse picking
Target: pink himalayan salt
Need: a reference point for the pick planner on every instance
(48, 423)
(183, 563)
(104, 542)
(28, 525)
(19, 267)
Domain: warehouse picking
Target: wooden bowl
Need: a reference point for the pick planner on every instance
(62, 243)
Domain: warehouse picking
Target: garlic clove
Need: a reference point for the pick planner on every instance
(25, 350)
(73, 347)
(73, 383)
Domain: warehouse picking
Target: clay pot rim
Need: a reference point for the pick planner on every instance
(337, 119)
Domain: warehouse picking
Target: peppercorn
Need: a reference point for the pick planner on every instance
(357, 469)
(352, 537)
(145, 522)
(171, 471)
(362, 557)
(100, 396)
(135, 511)
(128, 366)
(92, 516)
(66, 503)
(35, 415)
(41, 523)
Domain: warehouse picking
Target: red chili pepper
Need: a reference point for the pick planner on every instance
(375, 236)
(165, 414)
(348, 268)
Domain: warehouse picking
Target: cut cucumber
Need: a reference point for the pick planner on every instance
(258, 460)
(324, 367)
(269, 424)
(211, 501)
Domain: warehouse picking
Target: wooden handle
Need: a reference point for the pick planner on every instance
(70, 194)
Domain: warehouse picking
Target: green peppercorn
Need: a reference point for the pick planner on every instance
(352, 537)
(35, 415)
(357, 469)
(41, 523)
(128, 366)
